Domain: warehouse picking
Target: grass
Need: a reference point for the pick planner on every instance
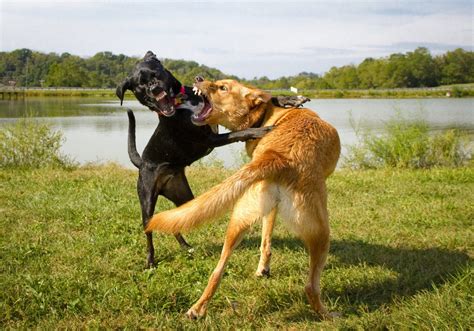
(30, 144)
(73, 256)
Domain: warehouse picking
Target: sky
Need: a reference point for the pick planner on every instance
(246, 38)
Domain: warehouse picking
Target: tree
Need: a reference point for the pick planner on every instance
(105, 69)
(456, 67)
(372, 73)
(424, 72)
(343, 78)
(69, 73)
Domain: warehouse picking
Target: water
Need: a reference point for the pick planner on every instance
(96, 129)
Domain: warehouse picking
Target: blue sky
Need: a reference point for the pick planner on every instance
(244, 38)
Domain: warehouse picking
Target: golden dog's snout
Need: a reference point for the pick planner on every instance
(203, 87)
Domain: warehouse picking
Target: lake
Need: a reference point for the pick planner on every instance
(96, 129)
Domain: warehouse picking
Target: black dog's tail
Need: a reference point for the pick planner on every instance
(132, 147)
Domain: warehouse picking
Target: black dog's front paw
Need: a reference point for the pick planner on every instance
(226, 138)
(292, 101)
(257, 133)
(150, 262)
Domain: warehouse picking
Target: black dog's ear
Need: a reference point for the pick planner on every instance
(120, 91)
(150, 56)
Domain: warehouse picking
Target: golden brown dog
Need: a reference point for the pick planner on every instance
(287, 174)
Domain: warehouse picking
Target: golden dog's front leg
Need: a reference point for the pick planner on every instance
(234, 235)
(259, 200)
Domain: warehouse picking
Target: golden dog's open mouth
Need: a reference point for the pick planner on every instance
(201, 114)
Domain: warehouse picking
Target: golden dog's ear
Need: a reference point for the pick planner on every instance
(255, 97)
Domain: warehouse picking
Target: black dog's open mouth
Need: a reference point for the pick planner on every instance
(201, 114)
(163, 103)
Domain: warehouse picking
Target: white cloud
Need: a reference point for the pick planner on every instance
(247, 39)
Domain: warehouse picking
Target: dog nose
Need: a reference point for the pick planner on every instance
(198, 79)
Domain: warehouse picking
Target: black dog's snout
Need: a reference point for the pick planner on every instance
(198, 79)
(156, 85)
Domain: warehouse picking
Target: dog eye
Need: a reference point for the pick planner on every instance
(223, 88)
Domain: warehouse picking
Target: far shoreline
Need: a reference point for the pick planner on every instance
(447, 91)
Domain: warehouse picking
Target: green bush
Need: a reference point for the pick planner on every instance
(457, 92)
(405, 144)
(30, 144)
(339, 94)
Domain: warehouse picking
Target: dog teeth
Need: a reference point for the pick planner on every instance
(161, 96)
(197, 91)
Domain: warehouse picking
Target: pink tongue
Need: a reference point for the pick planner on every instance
(204, 113)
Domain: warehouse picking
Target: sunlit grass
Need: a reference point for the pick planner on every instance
(73, 255)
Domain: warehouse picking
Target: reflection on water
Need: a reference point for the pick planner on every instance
(96, 129)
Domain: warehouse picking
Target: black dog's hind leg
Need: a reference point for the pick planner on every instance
(148, 195)
(150, 182)
(177, 190)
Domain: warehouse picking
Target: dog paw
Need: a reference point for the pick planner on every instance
(185, 246)
(150, 263)
(330, 316)
(262, 273)
(194, 313)
(191, 314)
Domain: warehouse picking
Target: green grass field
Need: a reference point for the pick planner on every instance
(73, 256)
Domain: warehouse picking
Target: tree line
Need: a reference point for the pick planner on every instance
(103, 70)
(418, 68)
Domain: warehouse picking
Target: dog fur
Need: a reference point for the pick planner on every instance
(287, 174)
(176, 142)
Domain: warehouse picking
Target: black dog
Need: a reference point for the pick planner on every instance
(176, 142)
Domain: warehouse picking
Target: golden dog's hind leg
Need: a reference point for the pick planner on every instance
(268, 223)
(316, 238)
(318, 247)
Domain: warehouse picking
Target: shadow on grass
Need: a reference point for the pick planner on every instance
(416, 270)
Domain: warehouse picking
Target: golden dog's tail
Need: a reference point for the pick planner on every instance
(220, 198)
